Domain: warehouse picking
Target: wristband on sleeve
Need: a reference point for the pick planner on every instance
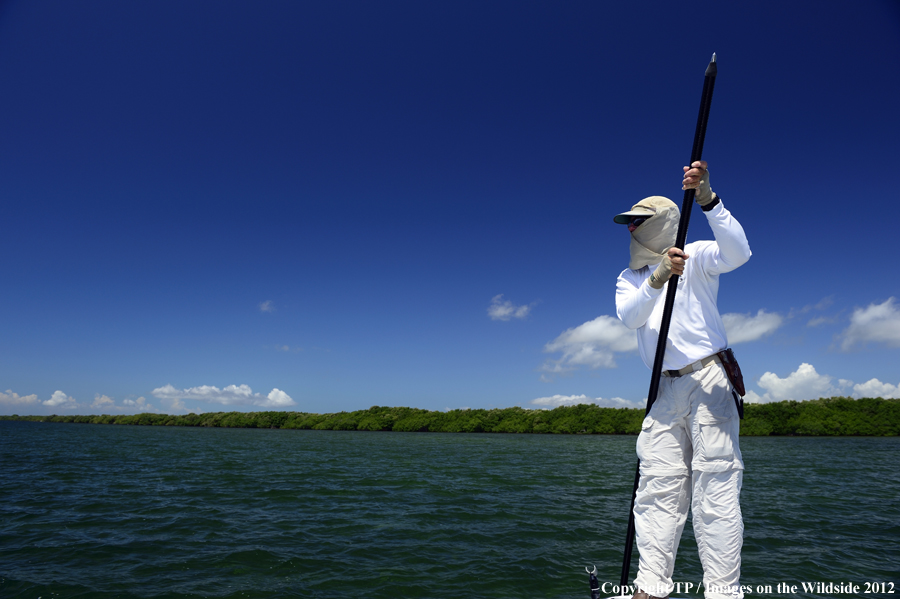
(712, 204)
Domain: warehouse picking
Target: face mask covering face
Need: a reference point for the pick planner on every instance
(651, 240)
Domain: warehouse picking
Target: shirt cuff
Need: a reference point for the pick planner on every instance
(651, 292)
(714, 208)
(716, 201)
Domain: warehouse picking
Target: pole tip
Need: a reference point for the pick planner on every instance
(711, 69)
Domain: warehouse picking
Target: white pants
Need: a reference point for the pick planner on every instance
(691, 436)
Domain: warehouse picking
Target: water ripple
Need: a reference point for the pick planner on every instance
(99, 511)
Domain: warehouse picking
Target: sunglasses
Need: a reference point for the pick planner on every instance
(637, 221)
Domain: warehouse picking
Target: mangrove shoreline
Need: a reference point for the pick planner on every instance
(834, 416)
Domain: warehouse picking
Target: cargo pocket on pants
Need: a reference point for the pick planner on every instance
(715, 436)
(644, 441)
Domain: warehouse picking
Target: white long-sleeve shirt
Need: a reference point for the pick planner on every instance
(696, 330)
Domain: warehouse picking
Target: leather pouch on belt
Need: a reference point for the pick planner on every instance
(733, 370)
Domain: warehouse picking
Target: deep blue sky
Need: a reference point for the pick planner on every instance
(325, 198)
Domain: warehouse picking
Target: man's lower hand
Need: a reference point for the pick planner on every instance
(672, 264)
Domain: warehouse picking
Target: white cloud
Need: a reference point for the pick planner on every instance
(176, 405)
(102, 402)
(875, 388)
(804, 383)
(820, 320)
(554, 401)
(230, 395)
(107, 405)
(879, 323)
(746, 327)
(141, 405)
(823, 304)
(505, 310)
(561, 400)
(754, 397)
(267, 306)
(277, 399)
(592, 344)
(61, 400)
(288, 348)
(14, 399)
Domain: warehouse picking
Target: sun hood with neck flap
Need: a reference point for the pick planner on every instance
(651, 240)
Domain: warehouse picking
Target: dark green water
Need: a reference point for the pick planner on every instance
(107, 511)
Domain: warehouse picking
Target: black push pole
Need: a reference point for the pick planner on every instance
(699, 135)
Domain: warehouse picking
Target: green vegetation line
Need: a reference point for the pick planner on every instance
(835, 416)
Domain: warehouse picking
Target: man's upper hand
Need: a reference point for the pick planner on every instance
(696, 177)
(693, 173)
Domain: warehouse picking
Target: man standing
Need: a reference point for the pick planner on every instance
(688, 445)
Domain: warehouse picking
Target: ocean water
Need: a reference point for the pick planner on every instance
(101, 511)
